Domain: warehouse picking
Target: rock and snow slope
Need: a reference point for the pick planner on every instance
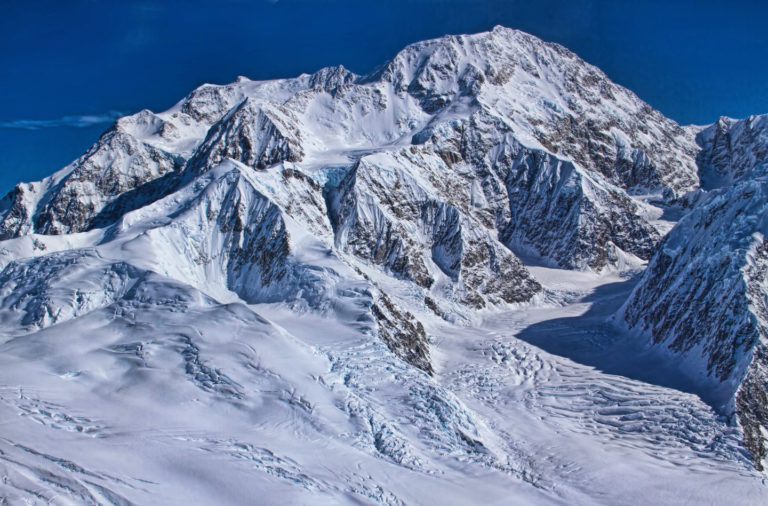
(703, 297)
(270, 273)
(732, 149)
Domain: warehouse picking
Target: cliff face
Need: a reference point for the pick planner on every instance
(731, 150)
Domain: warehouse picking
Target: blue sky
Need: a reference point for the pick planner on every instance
(67, 68)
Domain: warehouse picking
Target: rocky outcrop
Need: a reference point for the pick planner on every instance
(387, 213)
(403, 334)
(70, 201)
(539, 204)
(16, 208)
(570, 216)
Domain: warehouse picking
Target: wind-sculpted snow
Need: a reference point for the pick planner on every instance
(311, 290)
(703, 297)
(157, 347)
(47, 290)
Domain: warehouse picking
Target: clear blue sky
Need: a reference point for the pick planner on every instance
(67, 66)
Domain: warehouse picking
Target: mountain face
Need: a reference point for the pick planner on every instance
(731, 150)
(347, 258)
(703, 295)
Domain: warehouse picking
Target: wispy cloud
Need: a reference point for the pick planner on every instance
(84, 120)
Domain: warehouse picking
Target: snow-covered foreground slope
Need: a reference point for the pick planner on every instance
(331, 289)
(159, 394)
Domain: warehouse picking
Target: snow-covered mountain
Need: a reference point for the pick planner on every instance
(470, 106)
(703, 296)
(321, 288)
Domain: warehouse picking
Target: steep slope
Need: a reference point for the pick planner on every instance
(703, 298)
(732, 149)
(73, 199)
(256, 135)
(540, 204)
(387, 213)
(551, 96)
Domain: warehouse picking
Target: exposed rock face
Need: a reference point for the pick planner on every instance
(571, 216)
(752, 406)
(369, 221)
(703, 297)
(539, 204)
(15, 208)
(382, 213)
(731, 149)
(403, 334)
(227, 232)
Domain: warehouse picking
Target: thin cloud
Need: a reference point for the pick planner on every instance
(82, 121)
